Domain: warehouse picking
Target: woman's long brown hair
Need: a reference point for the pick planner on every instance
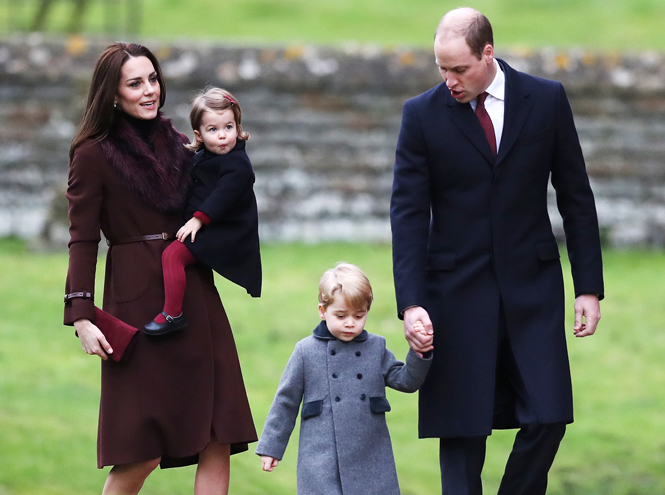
(98, 114)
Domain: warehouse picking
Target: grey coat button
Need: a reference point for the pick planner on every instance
(337, 399)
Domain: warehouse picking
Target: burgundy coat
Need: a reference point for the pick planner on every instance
(172, 392)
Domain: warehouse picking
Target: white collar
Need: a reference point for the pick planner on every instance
(497, 88)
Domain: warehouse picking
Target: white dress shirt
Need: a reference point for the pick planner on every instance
(495, 102)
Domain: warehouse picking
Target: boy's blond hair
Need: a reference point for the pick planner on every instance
(348, 280)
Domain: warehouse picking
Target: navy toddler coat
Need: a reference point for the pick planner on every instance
(223, 190)
(344, 441)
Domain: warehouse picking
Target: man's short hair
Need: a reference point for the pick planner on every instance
(349, 281)
(477, 34)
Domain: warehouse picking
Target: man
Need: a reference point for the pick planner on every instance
(476, 262)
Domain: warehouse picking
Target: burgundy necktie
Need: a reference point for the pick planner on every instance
(485, 121)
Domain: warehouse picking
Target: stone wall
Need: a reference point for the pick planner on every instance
(323, 124)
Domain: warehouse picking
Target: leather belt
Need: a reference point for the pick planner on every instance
(164, 236)
(73, 295)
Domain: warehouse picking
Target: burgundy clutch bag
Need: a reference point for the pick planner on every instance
(121, 336)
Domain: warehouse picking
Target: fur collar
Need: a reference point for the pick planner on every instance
(158, 178)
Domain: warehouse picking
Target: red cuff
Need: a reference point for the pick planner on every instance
(203, 217)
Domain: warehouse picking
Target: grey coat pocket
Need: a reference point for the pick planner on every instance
(379, 405)
(311, 409)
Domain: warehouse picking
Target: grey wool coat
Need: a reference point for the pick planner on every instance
(344, 441)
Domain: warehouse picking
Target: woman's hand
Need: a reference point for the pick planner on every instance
(192, 226)
(92, 339)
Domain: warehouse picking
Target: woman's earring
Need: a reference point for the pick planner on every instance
(115, 104)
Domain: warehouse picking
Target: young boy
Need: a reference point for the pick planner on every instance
(339, 374)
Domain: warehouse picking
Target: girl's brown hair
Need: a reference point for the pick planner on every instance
(98, 114)
(213, 99)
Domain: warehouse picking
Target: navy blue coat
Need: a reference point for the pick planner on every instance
(223, 190)
(471, 230)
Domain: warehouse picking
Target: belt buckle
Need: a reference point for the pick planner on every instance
(165, 236)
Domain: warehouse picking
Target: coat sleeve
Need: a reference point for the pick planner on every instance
(235, 180)
(408, 376)
(410, 212)
(284, 410)
(84, 194)
(576, 204)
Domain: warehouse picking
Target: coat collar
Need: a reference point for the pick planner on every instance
(322, 332)
(157, 176)
(204, 154)
(516, 110)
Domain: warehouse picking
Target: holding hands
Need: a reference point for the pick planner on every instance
(192, 226)
(418, 330)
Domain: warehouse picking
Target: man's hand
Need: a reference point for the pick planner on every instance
(268, 463)
(419, 339)
(192, 226)
(587, 306)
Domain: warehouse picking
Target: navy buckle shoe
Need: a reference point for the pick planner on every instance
(172, 324)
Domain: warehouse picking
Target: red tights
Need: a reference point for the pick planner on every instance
(174, 260)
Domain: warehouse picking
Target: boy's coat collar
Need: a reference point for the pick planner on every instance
(322, 332)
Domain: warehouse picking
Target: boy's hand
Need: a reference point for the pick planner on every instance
(268, 463)
(192, 226)
(420, 328)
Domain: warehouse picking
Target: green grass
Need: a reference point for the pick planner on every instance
(49, 389)
(595, 24)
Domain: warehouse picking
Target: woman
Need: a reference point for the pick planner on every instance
(167, 403)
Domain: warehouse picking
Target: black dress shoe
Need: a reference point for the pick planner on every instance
(172, 324)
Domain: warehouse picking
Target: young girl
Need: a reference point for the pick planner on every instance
(222, 230)
(340, 374)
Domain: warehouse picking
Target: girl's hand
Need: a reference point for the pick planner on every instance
(92, 339)
(268, 463)
(192, 226)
